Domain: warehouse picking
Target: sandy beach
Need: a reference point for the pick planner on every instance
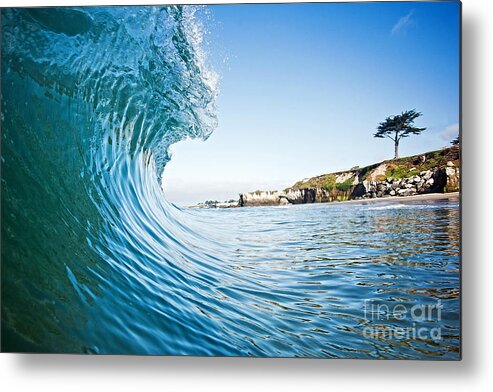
(404, 199)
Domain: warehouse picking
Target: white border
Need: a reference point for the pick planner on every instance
(90, 373)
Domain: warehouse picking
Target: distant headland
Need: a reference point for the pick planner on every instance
(433, 172)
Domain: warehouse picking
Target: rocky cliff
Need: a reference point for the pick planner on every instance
(432, 172)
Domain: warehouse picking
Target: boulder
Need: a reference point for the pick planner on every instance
(426, 174)
(406, 192)
(453, 180)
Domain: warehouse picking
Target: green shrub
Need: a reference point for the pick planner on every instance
(346, 185)
(329, 182)
(398, 171)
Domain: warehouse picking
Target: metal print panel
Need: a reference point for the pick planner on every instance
(317, 215)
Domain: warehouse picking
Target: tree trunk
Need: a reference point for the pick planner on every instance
(396, 150)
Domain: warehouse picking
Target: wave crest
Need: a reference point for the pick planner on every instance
(141, 69)
(91, 100)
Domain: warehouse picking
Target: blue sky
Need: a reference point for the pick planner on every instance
(303, 87)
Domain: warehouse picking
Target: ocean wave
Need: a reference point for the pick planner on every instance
(92, 99)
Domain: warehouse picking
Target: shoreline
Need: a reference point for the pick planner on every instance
(390, 199)
(420, 197)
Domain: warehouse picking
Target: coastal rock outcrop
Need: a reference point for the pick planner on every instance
(440, 180)
(432, 172)
(261, 198)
